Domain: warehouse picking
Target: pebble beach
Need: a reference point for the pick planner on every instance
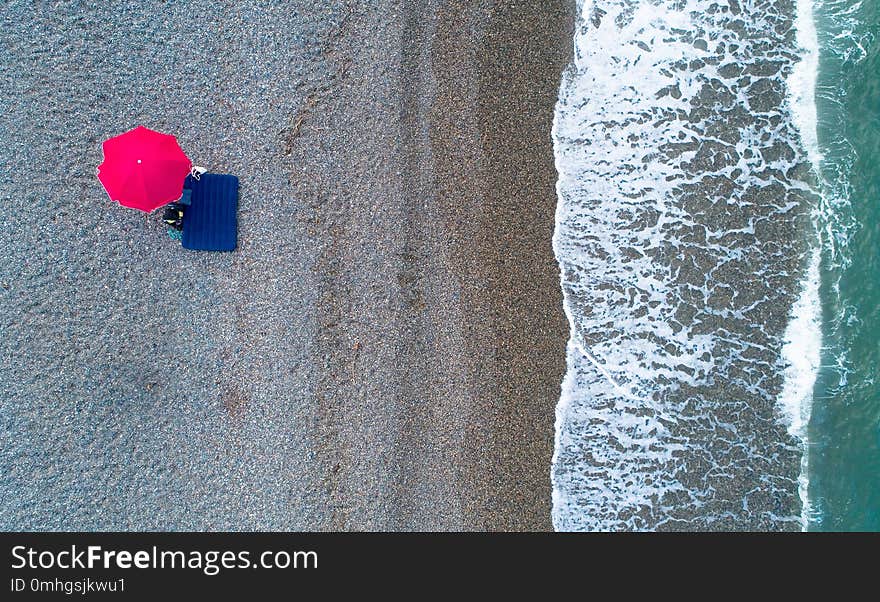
(383, 351)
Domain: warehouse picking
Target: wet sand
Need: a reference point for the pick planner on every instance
(385, 348)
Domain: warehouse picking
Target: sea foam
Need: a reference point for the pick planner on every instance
(682, 237)
(802, 351)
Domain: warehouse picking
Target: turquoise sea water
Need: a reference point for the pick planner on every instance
(844, 432)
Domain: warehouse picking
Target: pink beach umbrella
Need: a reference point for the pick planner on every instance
(143, 169)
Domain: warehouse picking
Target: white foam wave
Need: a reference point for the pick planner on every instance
(801, 356)
(802, 351)
(802, 82)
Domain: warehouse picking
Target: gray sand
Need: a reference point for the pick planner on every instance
(385, 348)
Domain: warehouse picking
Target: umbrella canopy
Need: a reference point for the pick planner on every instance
(143, 169)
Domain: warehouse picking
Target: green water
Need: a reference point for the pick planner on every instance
(844, 456)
